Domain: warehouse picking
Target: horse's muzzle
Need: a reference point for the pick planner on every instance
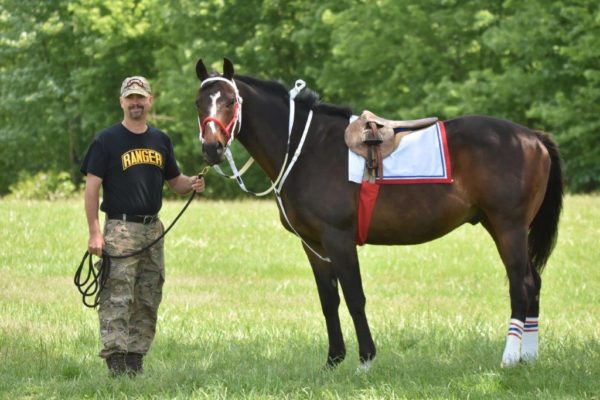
(213, 153)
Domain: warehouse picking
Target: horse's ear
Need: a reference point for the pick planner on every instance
(201, 71)
(227, 69)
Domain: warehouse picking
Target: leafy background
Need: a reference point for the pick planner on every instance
(61, 64)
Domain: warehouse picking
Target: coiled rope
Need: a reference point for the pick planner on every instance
(95, 278)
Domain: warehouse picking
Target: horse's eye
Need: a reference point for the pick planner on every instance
(230, 103)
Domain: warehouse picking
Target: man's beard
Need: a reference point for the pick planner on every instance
(136, 112)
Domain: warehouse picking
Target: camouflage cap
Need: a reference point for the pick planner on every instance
(135, 85)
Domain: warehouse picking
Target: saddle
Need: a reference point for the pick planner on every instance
(375, 138)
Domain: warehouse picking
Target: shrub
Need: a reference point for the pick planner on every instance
(47, 185)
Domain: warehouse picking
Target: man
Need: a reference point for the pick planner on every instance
(130, 160)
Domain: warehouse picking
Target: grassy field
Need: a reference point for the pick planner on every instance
(240, 316)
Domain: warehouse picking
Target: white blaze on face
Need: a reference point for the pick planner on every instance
(213, 110)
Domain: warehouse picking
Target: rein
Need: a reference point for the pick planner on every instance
(95, 281)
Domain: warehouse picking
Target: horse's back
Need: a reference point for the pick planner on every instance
(497, 161)
(489, 133)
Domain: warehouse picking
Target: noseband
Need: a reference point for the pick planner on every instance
(234, 126)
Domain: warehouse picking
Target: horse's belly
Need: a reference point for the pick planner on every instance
(418, 214)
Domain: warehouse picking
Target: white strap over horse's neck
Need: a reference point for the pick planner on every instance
(300, 84)
(283, 173)
(277, 185)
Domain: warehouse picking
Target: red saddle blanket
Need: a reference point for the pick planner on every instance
(424, 154)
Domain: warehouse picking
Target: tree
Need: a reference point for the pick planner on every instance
(61, 63)
(532, 62)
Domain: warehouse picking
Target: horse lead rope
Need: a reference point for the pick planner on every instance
(89, 288)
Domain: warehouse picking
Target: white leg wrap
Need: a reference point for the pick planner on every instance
(512, 350)
(529, 346)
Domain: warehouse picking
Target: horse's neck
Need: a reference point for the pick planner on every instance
(264, 131)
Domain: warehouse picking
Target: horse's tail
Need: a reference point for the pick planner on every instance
(544, 227)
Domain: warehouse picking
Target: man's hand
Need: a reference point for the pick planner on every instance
(182, 184)
(96, 244)
(197, 183)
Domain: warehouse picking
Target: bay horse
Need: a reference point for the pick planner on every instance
(505, 176)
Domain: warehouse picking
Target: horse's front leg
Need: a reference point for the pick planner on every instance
(341, 249)
(327, 285)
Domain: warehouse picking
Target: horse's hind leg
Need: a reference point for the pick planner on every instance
(511, 241)
(529, 345)
(327, 285)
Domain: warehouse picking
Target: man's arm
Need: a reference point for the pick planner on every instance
(182, 184)
(92, 200)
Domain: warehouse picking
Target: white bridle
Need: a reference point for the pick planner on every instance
(284, 172)
(236, 122)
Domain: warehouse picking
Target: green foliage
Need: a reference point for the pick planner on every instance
(61, 63)
(532, 62)
(48, 185)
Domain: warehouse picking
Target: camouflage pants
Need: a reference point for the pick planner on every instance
(128, 305)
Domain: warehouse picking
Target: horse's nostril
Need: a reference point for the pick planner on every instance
(213, 152)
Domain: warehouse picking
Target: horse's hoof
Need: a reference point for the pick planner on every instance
(509, 362)
(328, 368)
(364, 367)
(333, 361)
(529, 358)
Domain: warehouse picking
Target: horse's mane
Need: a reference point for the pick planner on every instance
(308, 97)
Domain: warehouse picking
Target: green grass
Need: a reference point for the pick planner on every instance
(241, 318)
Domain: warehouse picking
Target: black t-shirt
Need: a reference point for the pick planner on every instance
(133, 168)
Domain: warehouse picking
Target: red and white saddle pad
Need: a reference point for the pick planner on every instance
(421, 157)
